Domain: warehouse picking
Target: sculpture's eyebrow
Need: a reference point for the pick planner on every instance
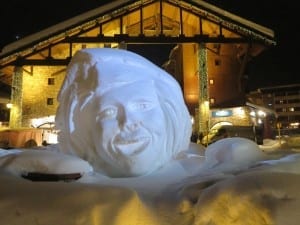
(142, 105)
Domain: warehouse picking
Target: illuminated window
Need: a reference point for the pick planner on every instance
(217, 62)
(291, 109)
(51, 81)
(50, 101)
(212, 101)
(211, 81)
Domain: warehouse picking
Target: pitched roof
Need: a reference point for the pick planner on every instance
(225, 18)
(209, 23)
(59, 29)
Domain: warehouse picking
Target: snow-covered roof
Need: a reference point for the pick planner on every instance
(64, 27)
(59, 28)
(233, 17)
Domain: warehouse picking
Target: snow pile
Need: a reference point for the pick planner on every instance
(125, 129)
(42, 161)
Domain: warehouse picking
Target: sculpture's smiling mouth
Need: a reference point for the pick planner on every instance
(130, 147)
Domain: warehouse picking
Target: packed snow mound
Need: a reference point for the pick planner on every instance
(43, 161)
(272, 145)
(233, 151)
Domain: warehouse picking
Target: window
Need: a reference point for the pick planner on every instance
(294, 101)
(50, 101)
(217, 62)
(51, 81)
(291, 93)
(212, 101)
(211, 81)
(280, 101)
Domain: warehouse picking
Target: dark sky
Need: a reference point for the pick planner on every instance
(275, 66)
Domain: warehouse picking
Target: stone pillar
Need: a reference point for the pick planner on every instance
(203, 101)
(15, 120)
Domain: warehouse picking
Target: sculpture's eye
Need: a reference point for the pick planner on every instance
(107, 113)
(141, 106)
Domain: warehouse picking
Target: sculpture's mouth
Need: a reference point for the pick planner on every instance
(130, 147)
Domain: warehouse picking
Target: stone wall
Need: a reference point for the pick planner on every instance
(40, 88)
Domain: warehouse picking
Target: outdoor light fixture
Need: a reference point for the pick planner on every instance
(9, 105)
(261, 113)
(240, 111)
(252, 113)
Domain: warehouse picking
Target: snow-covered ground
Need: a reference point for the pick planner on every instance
(123, 157)
(233, 181)
(288, 143)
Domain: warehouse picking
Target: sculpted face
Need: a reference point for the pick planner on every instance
(130, 128)
(121, 113)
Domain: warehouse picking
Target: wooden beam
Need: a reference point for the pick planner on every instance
(161, 39)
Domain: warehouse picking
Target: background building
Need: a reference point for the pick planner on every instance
(284, 100)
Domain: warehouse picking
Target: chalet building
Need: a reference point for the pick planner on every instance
(211, 50)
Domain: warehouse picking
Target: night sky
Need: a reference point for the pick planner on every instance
(275, 66)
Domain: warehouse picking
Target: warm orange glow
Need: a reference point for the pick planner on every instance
(191, 98)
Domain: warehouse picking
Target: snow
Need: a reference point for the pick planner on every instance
(109, 133)
(23, 162)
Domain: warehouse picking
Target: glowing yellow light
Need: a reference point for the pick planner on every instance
(252, 113)
(240, 111)
(261, 113)
(9, 105)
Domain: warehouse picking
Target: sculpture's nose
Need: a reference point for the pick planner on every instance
(129, 121)
(132, 126)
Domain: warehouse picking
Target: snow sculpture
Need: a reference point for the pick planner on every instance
(121, 113)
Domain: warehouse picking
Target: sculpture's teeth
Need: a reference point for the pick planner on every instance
(124, 142)
(131, 147)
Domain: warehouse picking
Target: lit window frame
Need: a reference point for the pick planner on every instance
(50, 101)
(51, 81)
